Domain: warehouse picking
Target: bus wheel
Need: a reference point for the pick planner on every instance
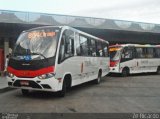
(62, 93)
(158, 70)
(125, 72)
(25, 91)
(98, 80)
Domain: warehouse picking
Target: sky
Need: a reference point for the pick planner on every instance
(131, 10)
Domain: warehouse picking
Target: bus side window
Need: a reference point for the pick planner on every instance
(93, 48)
(84, 46)
(157, 54)
(77, 44)
(150, 52)
(105, 49)
(99, 49)
(140, 52)
(127, 53)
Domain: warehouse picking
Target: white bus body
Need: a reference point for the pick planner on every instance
(78, 57)
(134, 58)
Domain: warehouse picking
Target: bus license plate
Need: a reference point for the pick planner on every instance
(24, 83)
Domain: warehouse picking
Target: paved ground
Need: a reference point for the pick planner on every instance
(3, 82)
(138, 93)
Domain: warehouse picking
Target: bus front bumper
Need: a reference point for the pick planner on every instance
(50, 84)
(114, 70)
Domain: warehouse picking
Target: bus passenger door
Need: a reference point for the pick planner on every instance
(66, 62)
(128, 59)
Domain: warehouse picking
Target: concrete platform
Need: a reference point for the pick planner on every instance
(4, 85)
(3, 82)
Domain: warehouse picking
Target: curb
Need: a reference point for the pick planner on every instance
(3, 90)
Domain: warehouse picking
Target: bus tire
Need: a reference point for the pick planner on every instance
(125, 72)
(158, 70)
(98, 80)
(62, 93)
(68, 79)
(25, 92)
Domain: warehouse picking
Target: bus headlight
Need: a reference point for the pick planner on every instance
(46, 76)
(10, 75)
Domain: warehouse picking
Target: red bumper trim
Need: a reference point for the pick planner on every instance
(30, 73)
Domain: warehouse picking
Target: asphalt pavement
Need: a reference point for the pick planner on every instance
(3, 82)
(4, 85)
(133, 94)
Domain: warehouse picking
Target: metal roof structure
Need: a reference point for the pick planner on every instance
(75, 21)
(12, 23)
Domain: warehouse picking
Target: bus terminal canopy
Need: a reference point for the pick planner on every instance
(109, 29)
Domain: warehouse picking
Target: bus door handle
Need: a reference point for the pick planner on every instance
(137, 64)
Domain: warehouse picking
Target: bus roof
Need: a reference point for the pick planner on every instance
(134, 45)
(68, 27)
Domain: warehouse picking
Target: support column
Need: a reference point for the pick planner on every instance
(6, 47)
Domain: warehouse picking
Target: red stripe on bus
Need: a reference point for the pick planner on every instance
(113, 63)
(30, 73)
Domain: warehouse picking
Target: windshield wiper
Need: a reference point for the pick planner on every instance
(36, 53)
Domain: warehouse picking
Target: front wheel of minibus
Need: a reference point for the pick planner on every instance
(25, 92)
(62, 93)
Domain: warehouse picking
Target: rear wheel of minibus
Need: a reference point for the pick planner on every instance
(98, 80)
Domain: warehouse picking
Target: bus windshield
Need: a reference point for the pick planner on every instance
(36, 44)
(115, 53)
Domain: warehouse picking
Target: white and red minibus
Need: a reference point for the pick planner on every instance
(134, 58)
(54, 58)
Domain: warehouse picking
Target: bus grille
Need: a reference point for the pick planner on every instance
(31, 84)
